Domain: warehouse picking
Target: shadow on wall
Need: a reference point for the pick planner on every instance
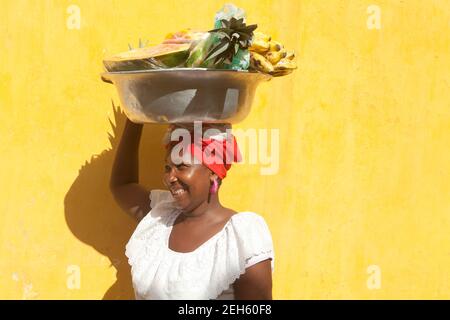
(91, 212)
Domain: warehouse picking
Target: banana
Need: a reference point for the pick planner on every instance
(281, 73)
(269, 56)
(259, 46)
(275, 46)
(260, 63)
(290, 55)
(275, 56)
(261, 36)
(284, 64)
(283, 67)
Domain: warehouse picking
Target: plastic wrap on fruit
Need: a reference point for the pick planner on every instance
(241, 61)
(227, 12)
(226, 47)
(199, 51)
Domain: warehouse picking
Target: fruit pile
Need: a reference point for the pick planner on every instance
(269, 56)
(231, 45)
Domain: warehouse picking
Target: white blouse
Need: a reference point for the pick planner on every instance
(209, 271)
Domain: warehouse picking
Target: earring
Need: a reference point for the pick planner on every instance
(213, 188)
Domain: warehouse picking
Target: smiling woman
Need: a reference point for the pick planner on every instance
(187, 245)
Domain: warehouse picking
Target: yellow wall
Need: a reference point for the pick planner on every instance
(365, 146)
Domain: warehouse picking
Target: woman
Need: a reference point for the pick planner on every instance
(187, 245)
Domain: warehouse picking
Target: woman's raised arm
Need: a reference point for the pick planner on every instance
(124, 182)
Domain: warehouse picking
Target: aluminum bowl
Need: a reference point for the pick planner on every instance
(181, 95)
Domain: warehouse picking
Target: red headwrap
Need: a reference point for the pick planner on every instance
(216, 152)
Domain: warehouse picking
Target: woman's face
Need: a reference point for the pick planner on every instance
(188, 182)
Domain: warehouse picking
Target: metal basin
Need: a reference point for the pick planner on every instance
(182, 95)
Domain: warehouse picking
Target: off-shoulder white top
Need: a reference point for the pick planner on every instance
(205, 273)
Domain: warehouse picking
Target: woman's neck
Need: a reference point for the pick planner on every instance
(204, 209)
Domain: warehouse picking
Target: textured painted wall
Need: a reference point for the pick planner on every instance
(359, 207)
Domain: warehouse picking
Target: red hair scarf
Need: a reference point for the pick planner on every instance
(217, 152)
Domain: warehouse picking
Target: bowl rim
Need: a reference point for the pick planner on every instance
(183, 69)
(106, 75)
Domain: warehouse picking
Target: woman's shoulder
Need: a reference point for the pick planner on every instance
(250, 227)
(249, 233)
(158, 195)
(248, 218)
(162, 208)
(161, 203)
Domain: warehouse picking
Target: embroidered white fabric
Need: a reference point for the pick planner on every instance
(205, 273)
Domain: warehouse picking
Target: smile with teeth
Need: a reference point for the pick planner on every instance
(178, 192)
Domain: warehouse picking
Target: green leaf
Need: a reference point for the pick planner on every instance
(234, 34)
(222, 47)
